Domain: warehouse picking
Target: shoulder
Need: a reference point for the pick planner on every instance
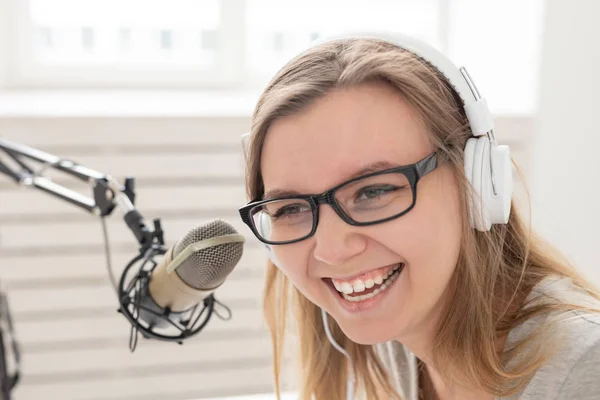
(583, 380)
(582, 355)
(573, 372)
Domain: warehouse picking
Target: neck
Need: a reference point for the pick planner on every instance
(421, 338)
(420, 343)
(434, 387)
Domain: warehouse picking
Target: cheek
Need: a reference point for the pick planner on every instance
(441, 223)
(294, 264)
(429, 236)
(437, 234)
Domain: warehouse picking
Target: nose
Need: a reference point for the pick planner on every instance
(335, 240)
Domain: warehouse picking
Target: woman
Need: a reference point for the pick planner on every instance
(428, 300)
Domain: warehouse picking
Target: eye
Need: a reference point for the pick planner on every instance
(375, 191)
(290, 210)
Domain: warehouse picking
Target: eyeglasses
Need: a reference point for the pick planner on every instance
(367, 200)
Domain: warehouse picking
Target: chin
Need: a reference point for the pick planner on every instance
(368, 334)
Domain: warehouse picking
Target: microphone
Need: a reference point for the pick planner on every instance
(193, 268)
(167, 294)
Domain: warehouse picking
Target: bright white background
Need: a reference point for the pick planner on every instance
(109, 80)
(235, 45)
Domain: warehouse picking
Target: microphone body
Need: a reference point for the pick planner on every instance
(190, 271)
(167, 289)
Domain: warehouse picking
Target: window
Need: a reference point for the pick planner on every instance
(239, 44)
(117, 42)
(276, 31)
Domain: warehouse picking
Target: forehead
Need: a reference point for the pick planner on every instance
(339, 134)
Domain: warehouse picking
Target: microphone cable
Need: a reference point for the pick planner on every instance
(107, 254)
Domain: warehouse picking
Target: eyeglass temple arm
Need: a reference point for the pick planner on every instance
(427, 165)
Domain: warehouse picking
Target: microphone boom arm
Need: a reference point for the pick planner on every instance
(107, 193)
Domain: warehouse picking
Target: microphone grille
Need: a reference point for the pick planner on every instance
(207, 268)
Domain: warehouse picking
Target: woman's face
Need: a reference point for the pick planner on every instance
(348, 131)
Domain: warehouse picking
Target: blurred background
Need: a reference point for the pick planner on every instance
(162, 90)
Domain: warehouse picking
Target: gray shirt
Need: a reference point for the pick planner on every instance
(573, 373)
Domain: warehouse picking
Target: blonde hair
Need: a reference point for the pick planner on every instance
(486, 303)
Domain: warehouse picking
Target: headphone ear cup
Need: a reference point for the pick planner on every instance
(482, 184)
(501, 202)
(487, 208)
(271, 256)
(264, 228)
(469, 155)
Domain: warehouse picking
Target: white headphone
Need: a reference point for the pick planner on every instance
(487, 165)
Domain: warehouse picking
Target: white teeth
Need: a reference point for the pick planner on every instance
(383, 287)
(359, 286)
(347, 288)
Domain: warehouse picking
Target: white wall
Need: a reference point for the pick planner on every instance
(566, 162)
(4, 26)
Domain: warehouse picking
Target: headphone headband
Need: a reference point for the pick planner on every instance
(476, 108)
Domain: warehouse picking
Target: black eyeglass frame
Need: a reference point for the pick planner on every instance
(413, 172)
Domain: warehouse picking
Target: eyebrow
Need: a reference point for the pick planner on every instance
(370, 168)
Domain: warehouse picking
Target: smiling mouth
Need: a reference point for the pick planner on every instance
(361, 290)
